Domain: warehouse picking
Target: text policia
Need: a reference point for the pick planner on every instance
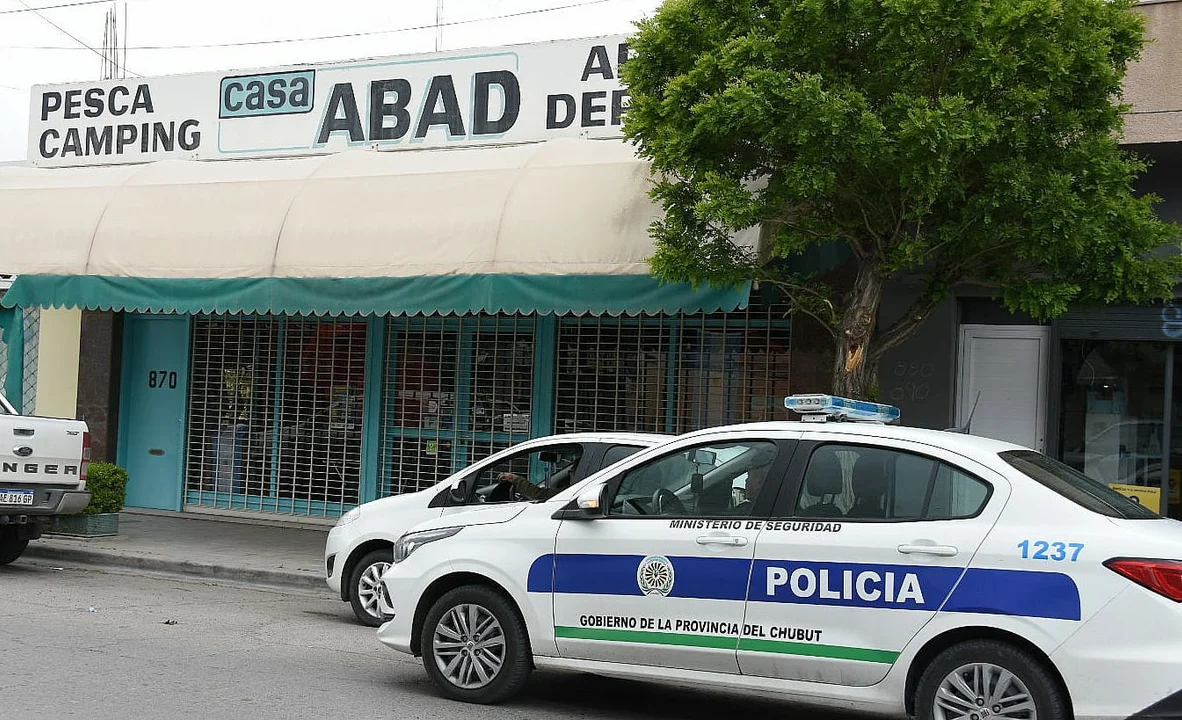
(112, 137)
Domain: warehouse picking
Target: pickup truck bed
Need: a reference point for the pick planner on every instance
(43, 465)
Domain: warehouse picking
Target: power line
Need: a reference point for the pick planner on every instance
(318, 38)
(26, 8)
(73, 37)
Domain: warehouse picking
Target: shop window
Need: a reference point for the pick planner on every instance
(456, 390)
(230, 409)
(1111, 426)
(672, 374)
(275, 414)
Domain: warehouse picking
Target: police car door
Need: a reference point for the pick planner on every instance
(661, 578)
(867, 542)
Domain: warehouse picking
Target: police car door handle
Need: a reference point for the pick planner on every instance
(937, 550)
(732, 540)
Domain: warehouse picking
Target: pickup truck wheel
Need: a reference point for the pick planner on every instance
(12, 545)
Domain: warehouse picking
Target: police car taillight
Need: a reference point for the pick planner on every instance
(1163, 577)
(822, 408)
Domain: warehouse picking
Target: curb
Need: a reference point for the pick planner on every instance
(300, 580)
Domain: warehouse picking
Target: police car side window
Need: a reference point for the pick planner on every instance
(718, 480)
(550, 468)
(856, 482)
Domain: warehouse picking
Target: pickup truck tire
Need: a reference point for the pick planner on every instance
(12, 545)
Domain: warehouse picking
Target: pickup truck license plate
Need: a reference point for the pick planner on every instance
(16, 497)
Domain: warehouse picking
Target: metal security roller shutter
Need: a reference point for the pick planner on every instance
(455, 390)
(671, 374)
(32, 349)
(230, 410)
(275, 414)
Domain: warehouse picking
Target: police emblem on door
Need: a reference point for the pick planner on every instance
(655, 575)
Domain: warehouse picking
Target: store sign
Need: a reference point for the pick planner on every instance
(477, 97)
(1150, 497)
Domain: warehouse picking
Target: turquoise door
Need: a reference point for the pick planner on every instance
(152, 420)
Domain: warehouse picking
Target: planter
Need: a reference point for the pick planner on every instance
(100, 525)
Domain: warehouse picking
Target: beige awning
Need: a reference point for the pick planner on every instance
(565, 207)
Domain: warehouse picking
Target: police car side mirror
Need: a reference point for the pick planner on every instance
(587, 505)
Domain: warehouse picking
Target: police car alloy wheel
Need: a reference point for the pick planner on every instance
(366, 585)
(989, 680)
(475, 646)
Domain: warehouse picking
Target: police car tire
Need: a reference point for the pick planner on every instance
(518, 656)
(12, 546)
(1050, 700)
(370, 559)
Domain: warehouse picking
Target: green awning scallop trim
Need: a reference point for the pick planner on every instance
(423, 295)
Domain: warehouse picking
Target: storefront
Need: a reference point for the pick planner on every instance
(1118, 410)
(362, 301)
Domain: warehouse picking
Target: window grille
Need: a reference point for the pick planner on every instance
(455, 390)
(3, 364)
(275, 409)
(32, 338)
(671, 374)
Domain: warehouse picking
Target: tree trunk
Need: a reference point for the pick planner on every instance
(855, 370)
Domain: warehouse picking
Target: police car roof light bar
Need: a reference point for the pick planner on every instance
(823, 408)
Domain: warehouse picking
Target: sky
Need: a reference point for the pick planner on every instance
(161, 35)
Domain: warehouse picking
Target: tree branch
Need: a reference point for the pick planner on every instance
(795, 290)
(903, 328)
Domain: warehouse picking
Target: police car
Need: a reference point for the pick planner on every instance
(857, 565)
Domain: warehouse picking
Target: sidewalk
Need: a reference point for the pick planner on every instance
(212, 548)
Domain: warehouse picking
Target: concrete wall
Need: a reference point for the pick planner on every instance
(1153, 85)
(57, 363)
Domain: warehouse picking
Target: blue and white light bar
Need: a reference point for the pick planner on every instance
(821, 408)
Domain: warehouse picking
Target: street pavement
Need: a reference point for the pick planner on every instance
(112, 644)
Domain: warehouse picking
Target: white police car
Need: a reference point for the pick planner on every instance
(360, 546)
(861, 566)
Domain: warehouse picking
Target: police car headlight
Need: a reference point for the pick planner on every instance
(410, 542)
(349, 517)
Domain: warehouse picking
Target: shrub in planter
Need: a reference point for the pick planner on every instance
(107, 483)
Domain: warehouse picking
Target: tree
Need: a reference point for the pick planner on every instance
(957, 141)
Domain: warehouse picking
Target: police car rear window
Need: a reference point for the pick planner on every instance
(1075, 486)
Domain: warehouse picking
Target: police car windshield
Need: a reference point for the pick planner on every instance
(1075, 486)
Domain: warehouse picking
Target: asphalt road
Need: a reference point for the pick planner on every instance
(164, 647)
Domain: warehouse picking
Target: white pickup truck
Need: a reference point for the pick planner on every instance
(43, 464)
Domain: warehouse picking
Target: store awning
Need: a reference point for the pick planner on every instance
(555, 227)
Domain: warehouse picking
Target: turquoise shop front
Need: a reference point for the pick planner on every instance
(303, 335)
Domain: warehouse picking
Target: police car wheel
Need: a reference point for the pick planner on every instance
(365, 586)
(475, 647)
(989, 680)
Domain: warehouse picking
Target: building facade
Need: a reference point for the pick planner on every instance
(392, 282)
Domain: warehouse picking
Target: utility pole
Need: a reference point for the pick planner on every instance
(112, 65)
(438, 25)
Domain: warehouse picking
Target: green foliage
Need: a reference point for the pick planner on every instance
(107, 484)
(964, 141)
